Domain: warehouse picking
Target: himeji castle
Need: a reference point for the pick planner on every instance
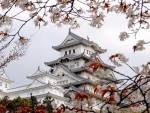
(68, 74)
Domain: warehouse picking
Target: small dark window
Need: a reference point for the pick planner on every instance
(65, 52)
(73, 50)
(51, 70)
(5, 85)
(77, 63)
(69, 51)
(66, 81)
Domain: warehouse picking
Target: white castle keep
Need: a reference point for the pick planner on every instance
(69, 73)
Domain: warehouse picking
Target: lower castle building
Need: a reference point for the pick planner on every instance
(68, 74)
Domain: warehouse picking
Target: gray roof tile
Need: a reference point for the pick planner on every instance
(70, 57)
(79, 41)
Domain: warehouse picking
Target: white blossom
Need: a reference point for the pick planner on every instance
(123, 36)
(54, 105)
(45, 23)
(122, 58)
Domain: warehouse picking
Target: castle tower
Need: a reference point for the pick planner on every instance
(4, 81)
(71, 67)
(68, 73)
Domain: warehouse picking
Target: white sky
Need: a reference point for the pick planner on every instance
(40, 50)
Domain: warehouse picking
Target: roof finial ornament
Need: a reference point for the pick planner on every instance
(38, 67)
(88, 38)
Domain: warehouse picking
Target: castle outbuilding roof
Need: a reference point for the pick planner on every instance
(4, 77)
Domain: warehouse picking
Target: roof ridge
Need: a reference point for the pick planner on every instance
(68, 70)
(71, 33)
(3, 72)
(69, 57)
(40, 70)
(33, 82)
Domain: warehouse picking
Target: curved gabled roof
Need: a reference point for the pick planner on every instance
(85, 67)
(43, 83)
(70, 57)
(78, 83)
(4, 77)
(68, 72)
(79, 40)
(40, 73)
(73, 74)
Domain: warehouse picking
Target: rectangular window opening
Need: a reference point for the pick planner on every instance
(71, 66)
(65, 52)
(69, 51)
(73, 50)
(84, 50)
(5, 85)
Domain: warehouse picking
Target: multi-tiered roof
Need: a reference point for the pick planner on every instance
(78, 40)
(68, 73)
(85, 54)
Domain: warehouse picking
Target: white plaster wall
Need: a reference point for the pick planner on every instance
(35, 91)
(87, 87)
(51, 80)
(64, 78)
(84, 47)
(17, 88)
(75, 63)
(47, 79)
(2, 87)
(42, 79)
(61, 72)
(89, 75)
(55, 68)
(76, 47)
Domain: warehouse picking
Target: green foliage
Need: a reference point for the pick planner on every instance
(47, 103)
(34, 102)
(13, 105)
(5, 101)
(21, 102)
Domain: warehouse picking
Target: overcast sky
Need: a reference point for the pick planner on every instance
(40, 50)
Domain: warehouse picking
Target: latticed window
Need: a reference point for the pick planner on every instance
(69, 51)
(73, 50)
(84, 50)
(65, 52)
(5, 85)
